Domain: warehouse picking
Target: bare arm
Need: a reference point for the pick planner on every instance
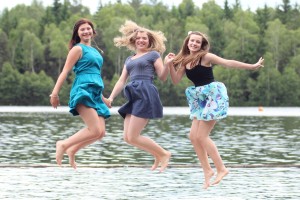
(162, 71)
(119, 85)
(210, 58)
(73, 56)
(176, 76)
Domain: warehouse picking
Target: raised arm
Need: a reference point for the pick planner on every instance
(214, 59)
(176, 76)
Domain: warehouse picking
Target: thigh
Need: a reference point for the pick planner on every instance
(90, 117)
(205, 127)
(201, 127)
(135, 125)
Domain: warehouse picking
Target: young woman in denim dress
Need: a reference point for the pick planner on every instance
(143, 98)
(208, 100)
(86, 98)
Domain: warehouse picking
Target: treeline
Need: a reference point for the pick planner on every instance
(34, 41)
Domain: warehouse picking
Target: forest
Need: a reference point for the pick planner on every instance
(34, 45)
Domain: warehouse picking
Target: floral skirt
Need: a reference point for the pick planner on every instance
(208, 102)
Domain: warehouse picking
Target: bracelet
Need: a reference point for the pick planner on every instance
(54, 96)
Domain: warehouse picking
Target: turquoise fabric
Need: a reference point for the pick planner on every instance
(88, 85)
(208, 102)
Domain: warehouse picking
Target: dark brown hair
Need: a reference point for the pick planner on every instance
(75, 38)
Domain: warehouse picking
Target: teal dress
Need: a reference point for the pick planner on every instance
(88, 85)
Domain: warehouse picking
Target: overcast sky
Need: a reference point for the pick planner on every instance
(93, 4)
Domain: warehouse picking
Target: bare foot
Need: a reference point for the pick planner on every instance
(220, 176)
(165, 161)
(71, 155)
(207, 177)
(155, 165)
(59, 152)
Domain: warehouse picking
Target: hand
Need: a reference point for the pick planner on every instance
(107, 101)
(54, 100)
(259, 63)
(169, 58)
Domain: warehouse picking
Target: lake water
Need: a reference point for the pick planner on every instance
(260, 147)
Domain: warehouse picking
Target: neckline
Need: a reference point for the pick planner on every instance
(85, 44)
(139, 56)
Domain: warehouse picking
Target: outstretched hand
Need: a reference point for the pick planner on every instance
(259, 63)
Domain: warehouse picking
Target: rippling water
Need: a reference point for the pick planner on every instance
(257, 149)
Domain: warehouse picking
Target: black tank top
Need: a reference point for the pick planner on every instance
(200, 75)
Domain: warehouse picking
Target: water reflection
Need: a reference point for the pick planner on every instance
(138, 183)
(29, 138)
(105, 168)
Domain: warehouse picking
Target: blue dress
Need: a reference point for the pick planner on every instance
(88, 85)
(142, 95)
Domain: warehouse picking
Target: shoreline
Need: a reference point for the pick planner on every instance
(233, 111)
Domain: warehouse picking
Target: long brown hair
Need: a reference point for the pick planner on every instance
(184, 57)
(75, 38)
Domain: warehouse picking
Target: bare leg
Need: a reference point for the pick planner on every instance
(204, 129)
(156, 159)
(201, 154)
(71, 151)
(95, 130)
(132, 134)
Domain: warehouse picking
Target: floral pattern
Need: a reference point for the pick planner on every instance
(208, 102)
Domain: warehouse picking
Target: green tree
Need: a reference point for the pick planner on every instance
(186, 8)
(278, 43)
(212, 16)
(35, 89)
(57, 44)
(33, 50)
(4, 50)
(10, 85)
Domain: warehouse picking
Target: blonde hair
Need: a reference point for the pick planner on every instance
(184, 57)
(129, 32)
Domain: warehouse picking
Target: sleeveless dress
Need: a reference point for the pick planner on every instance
(88, 85)
(142, 95)
(207, 99)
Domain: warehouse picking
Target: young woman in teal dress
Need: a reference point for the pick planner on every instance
(208, 100)
(86, 98)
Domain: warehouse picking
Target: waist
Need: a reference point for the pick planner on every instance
(204, 82)
(87, 73)
(141, 77)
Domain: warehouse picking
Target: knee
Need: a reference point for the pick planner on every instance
(125, 138)
(101, 134)
(98, 133)
(196, 138)
(129, 140)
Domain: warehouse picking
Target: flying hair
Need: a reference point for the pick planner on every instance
(129, 32)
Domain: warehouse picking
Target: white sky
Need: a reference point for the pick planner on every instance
(93, 4)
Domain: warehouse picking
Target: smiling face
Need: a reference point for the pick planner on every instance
(85, 33)
(142, 41)
(194, 43)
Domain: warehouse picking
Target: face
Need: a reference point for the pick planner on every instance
(85, 32)
(195, 43)
(141, 41)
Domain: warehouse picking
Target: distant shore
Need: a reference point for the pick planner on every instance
(233, 111)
